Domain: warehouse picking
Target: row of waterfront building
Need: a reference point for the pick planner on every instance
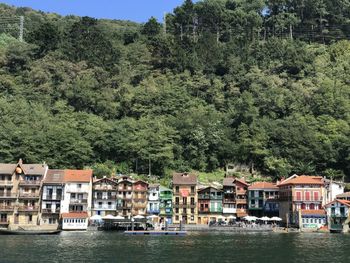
(33, 194)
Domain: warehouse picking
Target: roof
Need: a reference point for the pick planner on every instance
(29, 169)
(153, 185)
(209, 187)
(346, 194)
(163, 188)
(263, 185)
(184, 179)
(54, 177)
(230, 181)
(313, 212)
(140, 181)
(105, 179)
(344, 202)
(7, 168)
(75, 215)
(303, 179)
(83, 176)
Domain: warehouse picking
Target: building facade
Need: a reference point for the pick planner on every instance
(76, 204)
(185, 198)
(104, 193)
(263, 199)
(166, 205)
(338, 215)
(209, 205)
(20, 187)
(298, 195)
(124, 197)
(52, 195)
(139, 198)
(153, 206)
(235, 197)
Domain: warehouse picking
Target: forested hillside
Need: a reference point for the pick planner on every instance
(260, 83)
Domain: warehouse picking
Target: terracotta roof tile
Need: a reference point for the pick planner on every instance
(184, 179)
(347, 194)
(344, 202)
(313, 212)
(75, 215)
(83, 176)
(303, 179)
(7, 168)
(263, 185)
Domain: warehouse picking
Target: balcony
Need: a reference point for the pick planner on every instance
(166, 196)
(241, 192)
(77, 190)
(105, 207)
(8, 196)
(125, 197)
(124, 206)
(241, 201)
(4, 223)
(29, 183)
(104, 188)
(6, 183)
(23, 195)
(78, 201)
(229, 200)
(6, 208)
(193, 205)
(125, 189)
(153, 211)
(52, 197)
(337, 215)
(103, 197)
(140, 205)
(28, 209)
(228, 210)
(50, 211)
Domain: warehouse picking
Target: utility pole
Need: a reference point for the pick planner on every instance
(164, 20)
(21, 28)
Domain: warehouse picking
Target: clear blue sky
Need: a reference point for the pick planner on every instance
(134, 10)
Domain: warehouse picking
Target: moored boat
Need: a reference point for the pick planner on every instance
(29, 232)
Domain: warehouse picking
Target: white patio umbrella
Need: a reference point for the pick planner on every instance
(275, 218)
(264, 218)
(119, 217)
(96, 218)
(249, 218)
(232, 217)
(139, 217)
(108, 217)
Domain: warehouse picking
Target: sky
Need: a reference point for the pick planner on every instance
(134, 10)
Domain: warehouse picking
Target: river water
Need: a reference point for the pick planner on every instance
(195, 247)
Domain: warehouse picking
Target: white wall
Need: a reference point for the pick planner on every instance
(74, 224)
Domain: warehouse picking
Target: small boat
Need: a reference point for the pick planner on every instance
(29, 232)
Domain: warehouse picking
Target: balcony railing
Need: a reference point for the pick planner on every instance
(124, 206)
(6, 208)
(104, 188)
(28, 208)
(153, 211)
(52, 197)
(125, 189)
(180, 205)
(103, 197)
(28, 195)
(7, 195)
(140, 205)
(166, 196)
(78, 201)
(77, 190)
(30, 182)
(6, 183)
(4, 222)
(50, 211)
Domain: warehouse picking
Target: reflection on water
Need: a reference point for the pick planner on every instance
(196, 247)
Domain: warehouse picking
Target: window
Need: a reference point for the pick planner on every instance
(177, 200)
(316, 197)
(177, 218)
(78, 186)
(176, 189)
(192, 218)
(192, 189)
(30, 218)
(184, 211)
(192, 200)
(312, 206)
(192, 210)
(184, 200)
(307, 196)
(176, 210)
(298, 196)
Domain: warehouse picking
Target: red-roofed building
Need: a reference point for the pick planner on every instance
(77, 195)
(235, 197)
(75, 221)
(338, 215)
(139, 198)
(263, 199)
(298, 193)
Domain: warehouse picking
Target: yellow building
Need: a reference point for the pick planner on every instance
(185, 198)
(20, 187)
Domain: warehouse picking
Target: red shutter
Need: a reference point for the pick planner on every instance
(298, 196)
(307, 196)
(316, 198)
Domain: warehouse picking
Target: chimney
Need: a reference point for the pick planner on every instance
(20, 161)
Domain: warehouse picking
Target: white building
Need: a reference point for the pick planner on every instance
(333, 189)
(104, 197)
(153, 199)
(76, 205)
